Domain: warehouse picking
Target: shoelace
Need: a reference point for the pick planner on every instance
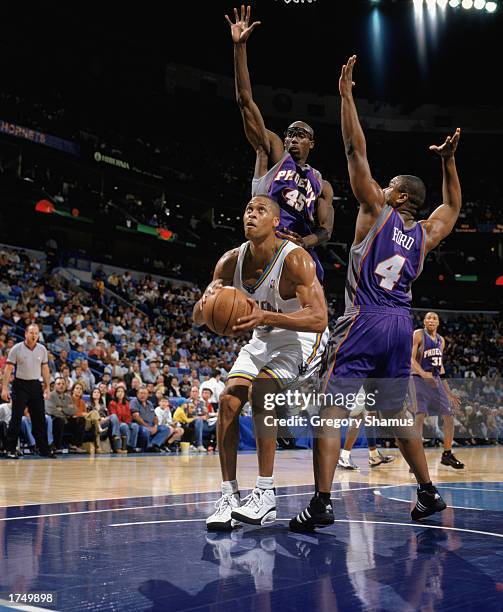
(222, 503)
(253, 499)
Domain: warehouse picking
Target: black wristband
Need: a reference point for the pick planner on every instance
(443, 375)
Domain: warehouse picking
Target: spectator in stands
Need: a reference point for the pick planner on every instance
(151, 373)
(216, 386)
(60, 407)
(164, 418)
(87, 374)
(27, 434)
(185, 416)
(77, 423)
(134, 373)
(64, 373)
(128, 429)
(5, 416)
(62, 360)
(151, 436)
(173, 388)
(97, 407)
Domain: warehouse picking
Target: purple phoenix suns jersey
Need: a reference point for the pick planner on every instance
(385, 263)
(295, 188)
(431, 359)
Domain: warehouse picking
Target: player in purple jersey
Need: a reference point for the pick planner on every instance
(373, 339)
(429, 389)
(281, 171)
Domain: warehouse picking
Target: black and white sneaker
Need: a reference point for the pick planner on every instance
(221, 519)
(11, 455)
(428, 502)
(452, 461)
(258, 508)
(317, 514)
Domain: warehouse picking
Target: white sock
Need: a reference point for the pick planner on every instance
(374, 453)
(265, 482)
(345, 454)
(229, 487)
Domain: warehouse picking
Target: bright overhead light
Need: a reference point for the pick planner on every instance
(491, 7)
(442, 3)
(454, 3)
(418, 4)
(479, 4)
(467, 4)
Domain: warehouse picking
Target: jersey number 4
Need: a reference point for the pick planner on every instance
(390, 270)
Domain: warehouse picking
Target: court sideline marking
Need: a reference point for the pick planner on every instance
(487, 533)
(210, 501)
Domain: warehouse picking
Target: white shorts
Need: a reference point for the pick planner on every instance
(285, 357)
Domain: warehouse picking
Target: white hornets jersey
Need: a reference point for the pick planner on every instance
(266, 293)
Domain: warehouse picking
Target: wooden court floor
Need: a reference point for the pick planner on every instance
(90, 477)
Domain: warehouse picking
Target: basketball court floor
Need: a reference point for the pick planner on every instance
(128, 533)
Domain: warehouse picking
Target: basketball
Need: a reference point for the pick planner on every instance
(223, 309)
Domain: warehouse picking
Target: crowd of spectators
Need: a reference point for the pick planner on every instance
(131, 367)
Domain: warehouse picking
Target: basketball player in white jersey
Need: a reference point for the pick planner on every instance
(289, 319)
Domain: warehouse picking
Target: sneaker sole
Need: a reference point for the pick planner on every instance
(454, 467)
(227, 526)
(423, 515)
(268, 518)
(348, 467)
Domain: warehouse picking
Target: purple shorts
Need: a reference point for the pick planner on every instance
(430, 400)
(371, 347)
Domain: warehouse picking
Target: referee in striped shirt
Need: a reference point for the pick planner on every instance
(30, 359)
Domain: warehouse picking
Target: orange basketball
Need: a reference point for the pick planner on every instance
(222, 310)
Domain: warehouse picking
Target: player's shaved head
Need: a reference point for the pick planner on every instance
(413, 186)
(272, 204)
(303, 126)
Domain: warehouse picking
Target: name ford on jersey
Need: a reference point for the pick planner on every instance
(402, 239)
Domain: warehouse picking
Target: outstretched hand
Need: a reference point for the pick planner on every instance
(346, 82)
(448, 148)
(240, 29)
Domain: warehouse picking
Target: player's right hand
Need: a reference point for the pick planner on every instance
(240, 30)
(211, 289)
(5, 395)
(346, 82)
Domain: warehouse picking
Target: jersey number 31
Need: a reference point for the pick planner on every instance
(390, 270)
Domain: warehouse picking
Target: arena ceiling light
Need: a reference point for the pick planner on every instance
(442, 3)
(479, 4)
(491, 7)
(454, 3)
(467, 4)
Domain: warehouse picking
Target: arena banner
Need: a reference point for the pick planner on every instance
(20, 131)
(126, 165)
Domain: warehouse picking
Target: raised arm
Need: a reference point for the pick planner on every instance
(368, 193)
(442, 220)
(299, 274)
(258, 135)
(223, 275)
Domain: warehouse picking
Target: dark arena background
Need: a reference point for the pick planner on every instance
(124, 174)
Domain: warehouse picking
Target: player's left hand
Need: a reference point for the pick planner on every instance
(454, 400)
(448, 148)
(251, 321)
(286, 234)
